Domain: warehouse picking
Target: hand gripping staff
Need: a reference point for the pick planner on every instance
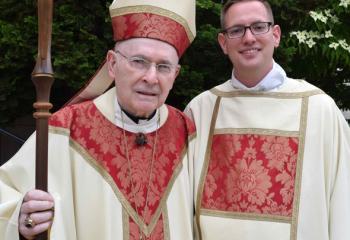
(42, 77)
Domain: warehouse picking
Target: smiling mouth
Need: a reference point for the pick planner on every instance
(251, 50)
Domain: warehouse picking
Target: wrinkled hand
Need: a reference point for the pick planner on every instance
(37, 208)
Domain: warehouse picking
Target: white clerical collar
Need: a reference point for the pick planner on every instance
(272, 80)
(144, 126)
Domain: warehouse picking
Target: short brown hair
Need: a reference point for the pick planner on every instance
(229, 3)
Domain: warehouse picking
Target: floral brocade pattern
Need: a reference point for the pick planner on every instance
(251, 174)
(157, 233)
(149, 25)
(103, 141)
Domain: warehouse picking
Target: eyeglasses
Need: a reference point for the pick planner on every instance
(142, 64)
(255, 28)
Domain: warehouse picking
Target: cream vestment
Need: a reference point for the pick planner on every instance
(271, 164)
(89, 178)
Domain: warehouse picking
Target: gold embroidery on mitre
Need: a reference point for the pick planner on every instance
(154, 10)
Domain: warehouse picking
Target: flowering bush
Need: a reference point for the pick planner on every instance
(325, 21)
(315, 46)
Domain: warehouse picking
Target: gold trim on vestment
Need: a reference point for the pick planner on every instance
(300, 134)
(205, 166)
(59, 130)
(49, 233)
(154, 10)
(282, 95)
(166, 227)
(299, 167)
(246, 216)
(146, 229)
(192, 136)
(256, 131)
(196, 229)
(106, 176)
(126, 225)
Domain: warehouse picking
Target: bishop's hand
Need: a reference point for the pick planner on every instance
(36, 213)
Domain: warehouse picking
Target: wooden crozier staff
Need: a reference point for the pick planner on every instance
(42, 77)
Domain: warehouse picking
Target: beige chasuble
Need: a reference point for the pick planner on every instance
(271, 165)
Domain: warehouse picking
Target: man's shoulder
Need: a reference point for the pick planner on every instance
(298, 85)
(177, 118)
(64, 117)
(306, 89)
(176, 114)
(210, 94)
(297, 88)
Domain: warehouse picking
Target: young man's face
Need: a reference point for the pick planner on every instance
(139, 91)
(250, 52)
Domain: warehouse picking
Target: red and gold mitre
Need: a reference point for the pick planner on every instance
(170, 21)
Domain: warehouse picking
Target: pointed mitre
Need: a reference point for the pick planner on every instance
(170, 21)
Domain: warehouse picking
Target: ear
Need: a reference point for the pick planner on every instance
(223, 42)
(177, 72)
(111, 62)
(276, 31)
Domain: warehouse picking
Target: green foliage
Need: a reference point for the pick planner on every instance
(203, 65)
(82, 34)
(81, 37)
(16, 44)
(320, 64)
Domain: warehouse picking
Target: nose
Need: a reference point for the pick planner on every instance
(151, 75)
(248, 36)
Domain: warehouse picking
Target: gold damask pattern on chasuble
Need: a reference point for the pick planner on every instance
(103, 141)
(251, 174)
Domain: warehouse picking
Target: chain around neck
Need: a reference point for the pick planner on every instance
(125, 143)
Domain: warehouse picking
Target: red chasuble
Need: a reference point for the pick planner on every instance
(252, 174)
(104, 142)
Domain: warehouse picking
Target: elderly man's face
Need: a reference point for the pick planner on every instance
(140, 89)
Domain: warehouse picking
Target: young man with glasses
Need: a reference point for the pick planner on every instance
(272, 153)
(120, 161)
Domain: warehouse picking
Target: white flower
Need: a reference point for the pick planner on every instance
(344, 45)
(315, 34)
(333, 45)
(310, 43)
(347, 49)
(335, 19)
(302, 36)
(323, 16)
(344, 3)
(307, 37)
(328, 13)
(318, 16)
(328, 34)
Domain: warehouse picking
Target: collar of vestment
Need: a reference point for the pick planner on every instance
(137, 119)
(108, 105)
(143, 125)
(272, 81)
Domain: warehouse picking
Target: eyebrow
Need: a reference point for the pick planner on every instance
(163, 61)
(240, 25)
